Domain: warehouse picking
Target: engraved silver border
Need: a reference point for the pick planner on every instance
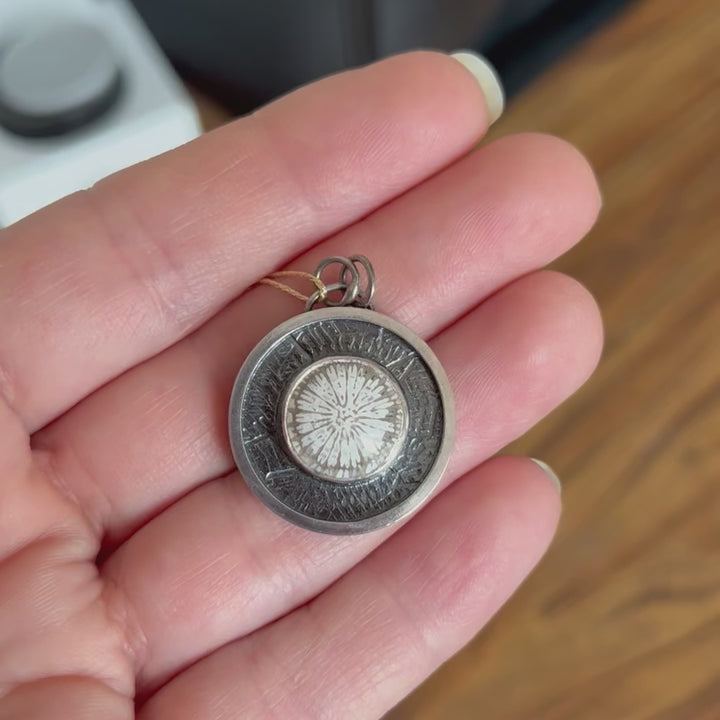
(394, 514)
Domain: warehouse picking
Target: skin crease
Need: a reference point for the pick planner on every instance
(138, 577)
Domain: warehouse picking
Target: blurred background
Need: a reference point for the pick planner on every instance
(621, 621)
(248, 52)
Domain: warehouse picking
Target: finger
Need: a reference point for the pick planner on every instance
(66, 698)
(54, 618)
(30, 507)
(217, 564)
(362, 645)
(106, 278)
(146, 439)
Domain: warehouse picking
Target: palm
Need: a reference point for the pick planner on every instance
(135, 563)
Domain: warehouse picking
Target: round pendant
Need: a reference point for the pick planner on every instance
(341, 420)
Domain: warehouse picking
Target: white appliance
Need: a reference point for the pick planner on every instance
(84, 91)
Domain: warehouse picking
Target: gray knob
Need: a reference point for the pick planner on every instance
(56, 79)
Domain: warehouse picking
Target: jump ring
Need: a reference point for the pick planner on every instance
(365, 296)
(322, 296)
(351, 288)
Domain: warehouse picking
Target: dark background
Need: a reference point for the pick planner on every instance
(245, 52)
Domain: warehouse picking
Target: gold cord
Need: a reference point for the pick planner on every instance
(271, 281)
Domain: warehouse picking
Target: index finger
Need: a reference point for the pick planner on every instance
(107, 278)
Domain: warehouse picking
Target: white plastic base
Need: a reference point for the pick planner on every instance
(153, 115)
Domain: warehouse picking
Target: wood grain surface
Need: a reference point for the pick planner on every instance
(621, 621)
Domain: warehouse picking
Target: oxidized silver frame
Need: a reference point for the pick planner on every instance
(256, 434)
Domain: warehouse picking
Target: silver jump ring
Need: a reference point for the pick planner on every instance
(351, 288)
(348, 282)
(322, 296)
(365, 295)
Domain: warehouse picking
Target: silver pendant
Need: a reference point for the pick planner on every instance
(341, 419)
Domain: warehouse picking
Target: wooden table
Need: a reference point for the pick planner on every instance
(622, 619)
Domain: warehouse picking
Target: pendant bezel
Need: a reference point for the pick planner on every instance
(239, 439)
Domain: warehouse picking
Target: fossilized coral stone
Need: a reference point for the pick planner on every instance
(344, 418)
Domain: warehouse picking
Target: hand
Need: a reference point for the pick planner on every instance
(138, 575)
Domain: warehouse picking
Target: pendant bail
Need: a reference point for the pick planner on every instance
(354, 292)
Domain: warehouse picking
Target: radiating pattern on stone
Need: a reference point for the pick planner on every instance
(344, 418)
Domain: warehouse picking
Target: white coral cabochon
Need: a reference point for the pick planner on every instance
(344, 418)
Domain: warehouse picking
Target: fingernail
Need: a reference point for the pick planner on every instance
(550, 473)
(487, 78)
